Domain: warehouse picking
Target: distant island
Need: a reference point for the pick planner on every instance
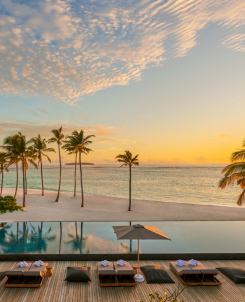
(73, 164)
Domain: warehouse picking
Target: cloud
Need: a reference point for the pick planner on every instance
(103, 134)
(143, 144)
(224, 135)
(15, 102)
(33, 112)
(42, 110)
(201, 159)
(66, 50)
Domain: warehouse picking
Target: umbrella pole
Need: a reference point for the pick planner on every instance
(138, 277)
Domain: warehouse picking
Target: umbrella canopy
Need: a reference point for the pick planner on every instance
(139, 231)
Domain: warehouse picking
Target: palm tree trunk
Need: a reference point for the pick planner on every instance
(17, 179)
(81, 239)
(81, 178)
(130, 241)
(60, 237)
(42, 177)
(129, 207)
(17, 232)
(75, 177)
(57, 199)
(2, 185)
(76, 229)
(24, 185)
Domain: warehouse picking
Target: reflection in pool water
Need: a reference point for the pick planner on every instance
(99, 237)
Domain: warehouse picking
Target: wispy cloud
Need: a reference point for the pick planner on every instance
(68, 49)
(42, 110)
(103, 134)
(224, 135)
(143, 144)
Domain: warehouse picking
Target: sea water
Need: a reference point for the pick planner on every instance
(171, 183)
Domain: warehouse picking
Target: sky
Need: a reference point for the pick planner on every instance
(163, 79)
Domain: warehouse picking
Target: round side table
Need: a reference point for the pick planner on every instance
(49, 272)
(135, 268)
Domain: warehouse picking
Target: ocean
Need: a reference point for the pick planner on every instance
(196, 184)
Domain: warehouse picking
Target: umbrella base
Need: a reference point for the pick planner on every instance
(138, 278)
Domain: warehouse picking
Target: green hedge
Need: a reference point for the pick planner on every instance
(8, 203)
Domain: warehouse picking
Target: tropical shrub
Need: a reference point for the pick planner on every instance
(8, 203)
(167, 297)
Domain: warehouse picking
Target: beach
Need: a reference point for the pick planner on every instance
(103, 208)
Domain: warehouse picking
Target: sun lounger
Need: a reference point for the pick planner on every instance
(116, 275)
(29, 276)
(195, 275)
(18, 270)
(36, 271)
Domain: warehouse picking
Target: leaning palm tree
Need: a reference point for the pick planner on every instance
(57, 138)
(128, 160)
(235, 173)
(40, 147)
(80, 143)
(9, 145)
(72, 148)
(25, 154)
(4, 164)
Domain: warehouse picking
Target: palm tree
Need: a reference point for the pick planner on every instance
(77, 141)
(235, 173)
(40, 146)
(22, 152)
(128, 160)
(77, 242)
(58, 138)
(4, 164)
(71, 147)
(9, 145)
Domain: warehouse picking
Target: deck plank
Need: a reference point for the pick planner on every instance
(54, 289)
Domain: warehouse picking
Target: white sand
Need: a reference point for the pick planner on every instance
(103, 208)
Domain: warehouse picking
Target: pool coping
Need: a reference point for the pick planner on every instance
(115, 257)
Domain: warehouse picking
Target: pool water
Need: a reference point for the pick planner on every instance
(99, 237)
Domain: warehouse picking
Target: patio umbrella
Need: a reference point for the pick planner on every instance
(139, 231)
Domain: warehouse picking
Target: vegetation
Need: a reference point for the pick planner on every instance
(77, 143)
(4, 164)
(128, 160)
(235, 173)
(167, 297)
(39, 147)
(8, 203)
(57, 138)
(18, 150)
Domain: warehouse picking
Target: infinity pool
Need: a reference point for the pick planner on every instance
(99, 237)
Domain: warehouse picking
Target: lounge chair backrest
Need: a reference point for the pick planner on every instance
(36, 270)
(18, 270)
(106, 270)
(124, 270)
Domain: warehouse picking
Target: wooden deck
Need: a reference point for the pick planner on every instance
(55, 289)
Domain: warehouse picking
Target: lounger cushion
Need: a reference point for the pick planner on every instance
(18, 270)
(155, 274)
(124, 270)
(184, 270)
(36, 270)
(78, 274)
(236, 274)
(106, 270)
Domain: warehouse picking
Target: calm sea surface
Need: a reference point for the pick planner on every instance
(171, 183)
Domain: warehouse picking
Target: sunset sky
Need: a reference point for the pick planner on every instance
(165, 79)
